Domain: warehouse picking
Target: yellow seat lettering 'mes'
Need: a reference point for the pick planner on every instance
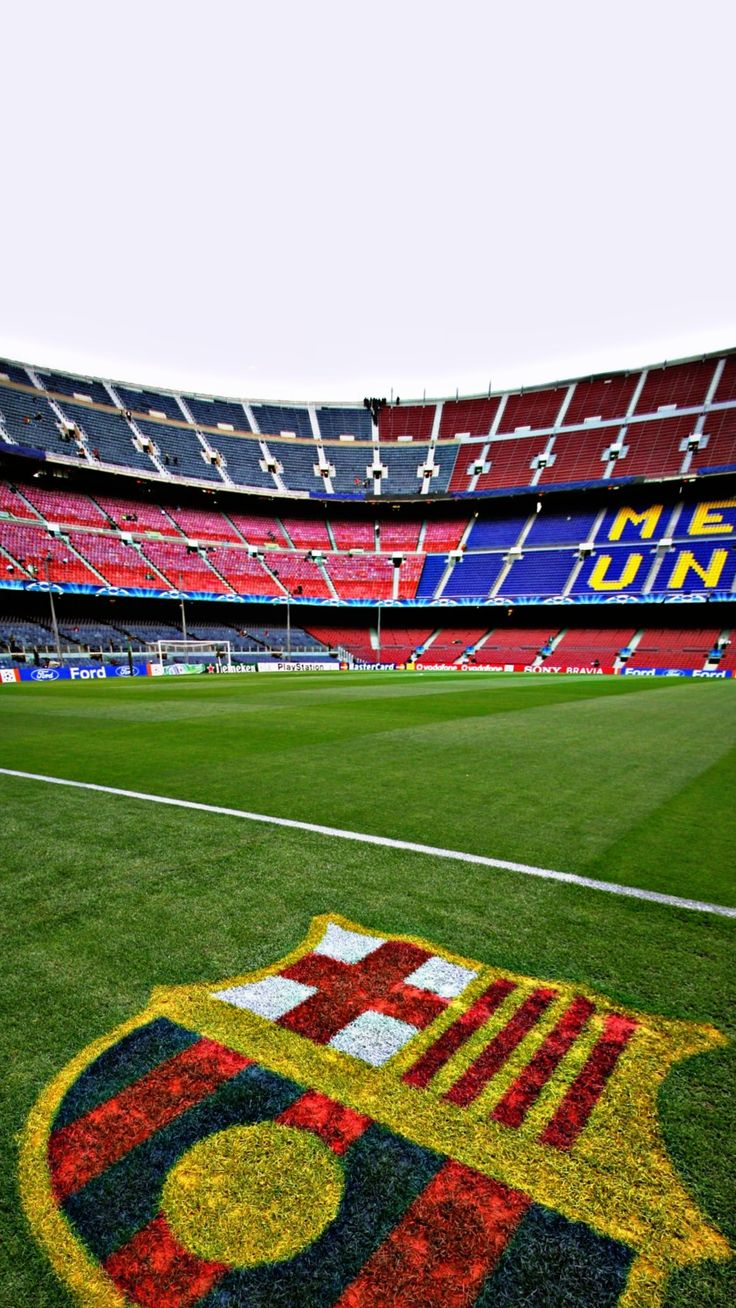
(599, 579)
(648, 518)
(686, 562)
(709, 521)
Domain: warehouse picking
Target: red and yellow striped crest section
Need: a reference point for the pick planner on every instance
(387, 1122)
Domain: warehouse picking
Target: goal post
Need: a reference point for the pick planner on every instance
(219, 652)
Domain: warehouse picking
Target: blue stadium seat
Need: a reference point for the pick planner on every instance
(210, 412)
(275, 418)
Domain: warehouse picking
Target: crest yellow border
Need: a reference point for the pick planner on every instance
(592, 1185)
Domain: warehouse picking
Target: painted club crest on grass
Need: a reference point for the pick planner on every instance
(371, 1121)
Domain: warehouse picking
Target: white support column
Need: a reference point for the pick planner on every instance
(675, 516)
(185, 409)
(525, 530)
(698, 428)
(269, 463)
(596, 527)
(653, 573)
(314, 424)
(559, 421)
(85, 561)
(499, 583)
(542, 461)
(481, 460)
(637, 392)
(444, 578)
(434, 435)
(497, 417)
(618, 447)
(251, 419)
(328, 581)
(577, 568)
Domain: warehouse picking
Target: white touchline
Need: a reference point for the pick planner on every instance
(527, 869)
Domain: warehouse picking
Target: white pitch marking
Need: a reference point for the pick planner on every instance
(387, 842)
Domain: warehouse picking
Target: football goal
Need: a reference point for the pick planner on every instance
(217, 652)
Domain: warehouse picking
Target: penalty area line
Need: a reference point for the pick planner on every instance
(388, 842)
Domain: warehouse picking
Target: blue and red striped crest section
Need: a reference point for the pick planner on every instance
(372, 1121)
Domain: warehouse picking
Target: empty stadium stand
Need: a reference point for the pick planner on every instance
(603, 490)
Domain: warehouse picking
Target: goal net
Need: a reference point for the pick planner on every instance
(216, 652)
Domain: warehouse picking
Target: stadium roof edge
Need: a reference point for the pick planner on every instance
(358, 403)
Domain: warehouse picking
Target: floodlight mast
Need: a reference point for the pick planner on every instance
(48, 560)
(183, 611)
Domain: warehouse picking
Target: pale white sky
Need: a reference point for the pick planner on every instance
(331, 199)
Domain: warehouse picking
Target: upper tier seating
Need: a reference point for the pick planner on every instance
(213, 413)
(399, 420)
(109, 436)
(431, 575)
(684, 385)
(601, 399)
(467, 417)
(334, 423)
(718, 453)
(13, 372)
(242, 457)
(81, 387)
(537, 410)
(277, 419)
(180, 451)
(626, 426)
(144, 402)
(30, 422)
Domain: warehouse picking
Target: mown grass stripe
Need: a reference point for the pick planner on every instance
(388, 842)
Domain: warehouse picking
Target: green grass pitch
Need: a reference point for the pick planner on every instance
(104, 897)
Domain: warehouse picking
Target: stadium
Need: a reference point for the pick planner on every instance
(367, 762)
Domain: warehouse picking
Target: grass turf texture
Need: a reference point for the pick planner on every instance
(106, 897)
